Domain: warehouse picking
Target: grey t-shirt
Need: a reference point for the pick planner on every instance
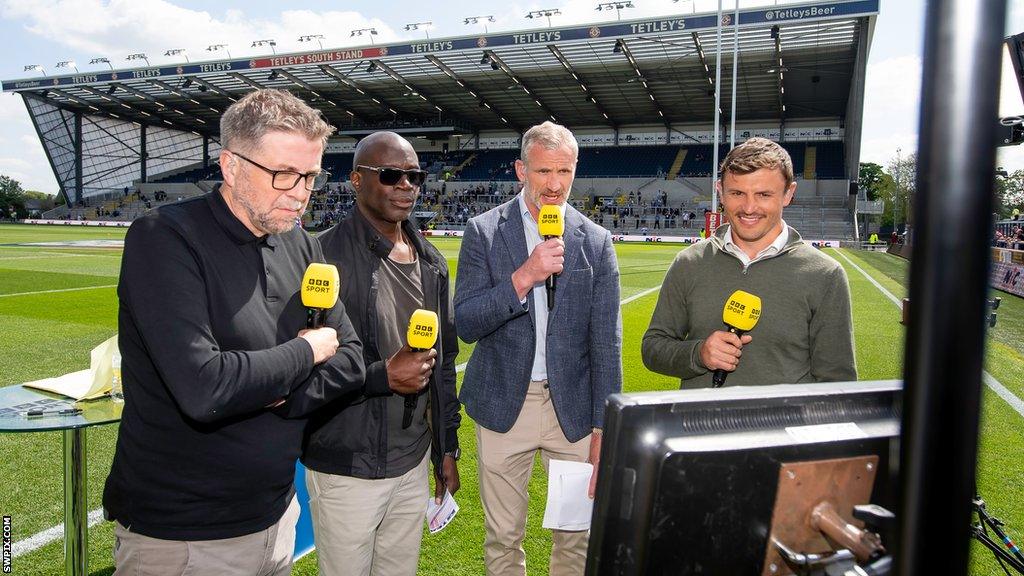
(399, 293)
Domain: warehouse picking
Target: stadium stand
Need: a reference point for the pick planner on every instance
(644, 120)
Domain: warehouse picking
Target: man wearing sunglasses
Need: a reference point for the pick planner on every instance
(218, 364)
(368, 462)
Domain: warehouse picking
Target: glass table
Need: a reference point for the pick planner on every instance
(15, 404)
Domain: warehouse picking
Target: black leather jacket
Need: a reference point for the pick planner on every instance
(349, 437)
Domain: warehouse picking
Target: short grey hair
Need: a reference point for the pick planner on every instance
(245, 122)
(551, 136)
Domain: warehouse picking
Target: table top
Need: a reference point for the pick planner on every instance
(16, 401)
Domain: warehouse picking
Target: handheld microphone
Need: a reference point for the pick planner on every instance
(320, 288)
(551, 224)
(421, 336)
(740, 315)
(422, 330)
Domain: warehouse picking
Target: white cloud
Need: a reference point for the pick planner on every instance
(120, 27)
(891, 94)
(13, 164)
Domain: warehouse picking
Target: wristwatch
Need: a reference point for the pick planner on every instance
(455, 454)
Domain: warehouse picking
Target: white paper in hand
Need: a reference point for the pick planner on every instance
(439, 516)
(569, 507)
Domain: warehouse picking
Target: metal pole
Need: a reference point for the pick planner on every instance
(948, 283)
(718, 100)
(735, 63)
(76, 538)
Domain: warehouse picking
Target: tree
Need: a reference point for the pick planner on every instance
(898, 191)
(12, 197)
(47, 201)
(869, 179)
(1010, 193)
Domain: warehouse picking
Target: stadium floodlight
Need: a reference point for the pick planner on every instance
(216, 47)
(371, 68)
(31, 67)
(478, 20)
(101, 60)
(268, 42)
(546, 12)
(361, 31)
(138, 56)
(416, 26)
(177, 52)
(310, 37)
(617, 6)
(67, 64)
(618, 46)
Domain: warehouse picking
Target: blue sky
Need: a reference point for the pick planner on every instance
(48, 31)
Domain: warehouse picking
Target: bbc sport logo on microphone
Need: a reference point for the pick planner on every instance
(550, 218)
(319, 285)
(423, 331)
(736, 307)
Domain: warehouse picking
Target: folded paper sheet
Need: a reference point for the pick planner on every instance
(569, 507)
(84, 384)
(439, 516)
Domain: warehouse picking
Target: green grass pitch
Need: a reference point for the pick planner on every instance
(56, 303)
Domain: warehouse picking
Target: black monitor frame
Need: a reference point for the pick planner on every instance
(687, 478)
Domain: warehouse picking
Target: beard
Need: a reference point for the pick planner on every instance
(264, 221)
(534, 198)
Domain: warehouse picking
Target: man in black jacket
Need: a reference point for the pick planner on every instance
(216, 356)
(368, 460)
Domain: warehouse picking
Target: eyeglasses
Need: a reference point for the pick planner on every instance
(287, 179)
(392, 176)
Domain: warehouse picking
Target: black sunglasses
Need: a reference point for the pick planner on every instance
(392, 176)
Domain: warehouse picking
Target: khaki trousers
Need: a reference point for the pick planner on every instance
(506, 462)
(264, 553)
(369, 527)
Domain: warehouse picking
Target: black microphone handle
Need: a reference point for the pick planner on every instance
(314, 318)
(410, 402)
(550, 284)
(719, 376)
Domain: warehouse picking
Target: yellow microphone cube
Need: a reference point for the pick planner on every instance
(320, 286)
(742, 311)
(422, 329)
(550, 221)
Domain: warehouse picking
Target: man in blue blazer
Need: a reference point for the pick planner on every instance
(538, 378)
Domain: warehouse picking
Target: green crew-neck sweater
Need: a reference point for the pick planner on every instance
(804, 334)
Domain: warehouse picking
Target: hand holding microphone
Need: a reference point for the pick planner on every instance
(320, 288)
(551, 224)
(722, 349)
(409, 369)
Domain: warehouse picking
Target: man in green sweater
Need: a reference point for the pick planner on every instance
(805, 332)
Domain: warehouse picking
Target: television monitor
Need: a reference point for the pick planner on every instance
(689, 480)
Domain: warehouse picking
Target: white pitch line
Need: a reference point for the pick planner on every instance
(43, 538)
(55, 291)
(989, 380)
(40, 539)
(40, 256)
